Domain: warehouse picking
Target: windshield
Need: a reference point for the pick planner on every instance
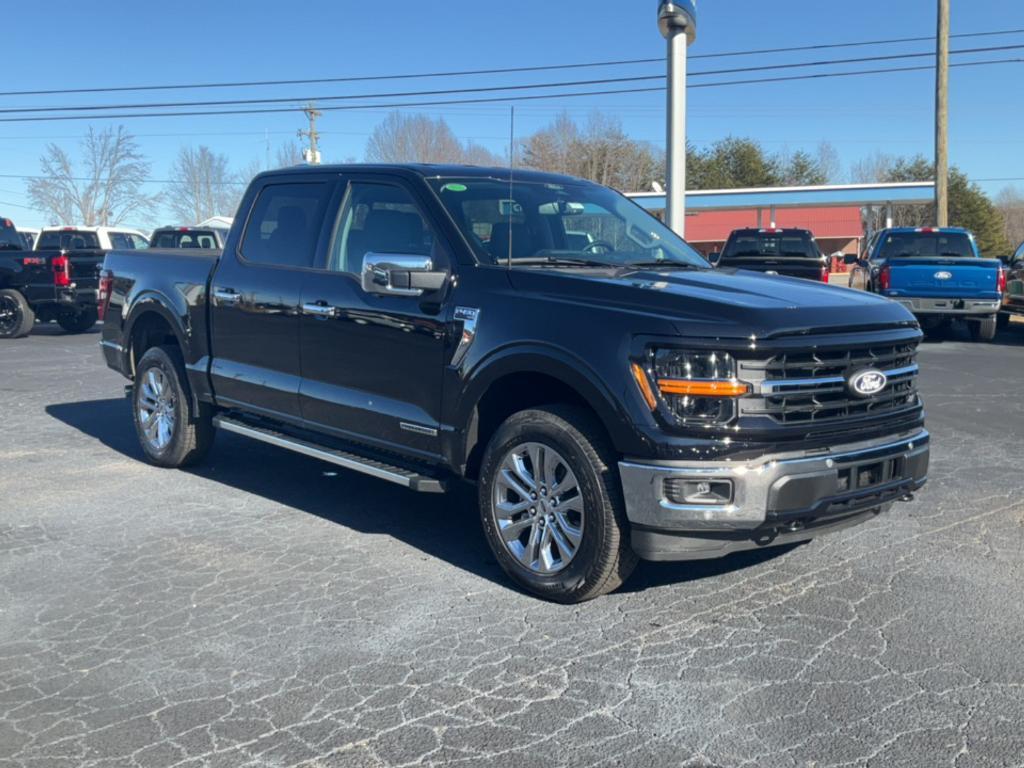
(775, 245)
(899, 245)
(68, 240)
(10, 240)
(531, 223)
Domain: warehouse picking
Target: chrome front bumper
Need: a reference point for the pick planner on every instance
(774, 499)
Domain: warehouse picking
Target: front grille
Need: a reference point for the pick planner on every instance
(811, 388)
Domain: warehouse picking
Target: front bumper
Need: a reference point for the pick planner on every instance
(772, 500)
(950, 306)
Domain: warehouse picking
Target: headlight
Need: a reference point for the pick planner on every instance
(690, 387)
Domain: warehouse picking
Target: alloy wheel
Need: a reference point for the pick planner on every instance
(538, 508)
(157, 408)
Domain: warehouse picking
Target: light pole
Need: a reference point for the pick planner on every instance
(942, 117)
(677, 20)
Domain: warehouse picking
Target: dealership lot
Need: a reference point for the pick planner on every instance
(268, 610)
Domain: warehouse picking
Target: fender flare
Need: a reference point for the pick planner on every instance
(557, 363)
(151, 302)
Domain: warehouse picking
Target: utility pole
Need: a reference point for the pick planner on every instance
(311, 155)
(942, 117)
(677, 20)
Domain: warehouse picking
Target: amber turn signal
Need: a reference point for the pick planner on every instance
(645, 387)
(702, 388)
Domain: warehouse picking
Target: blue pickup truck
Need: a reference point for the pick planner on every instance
(938, 274)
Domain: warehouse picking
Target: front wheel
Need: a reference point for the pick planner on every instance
(984, 329)
(16, 316)
(551, 505)
(171, 430)
(79, 321)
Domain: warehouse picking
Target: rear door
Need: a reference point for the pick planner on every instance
(255, 296)
(372, 365)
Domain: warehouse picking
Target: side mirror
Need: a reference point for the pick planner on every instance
(714, 258)
(395, 274)
(850, 259)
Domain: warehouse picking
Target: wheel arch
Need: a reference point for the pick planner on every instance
(526, 377)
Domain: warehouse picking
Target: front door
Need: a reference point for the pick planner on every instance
(255, 297)
(372, 365)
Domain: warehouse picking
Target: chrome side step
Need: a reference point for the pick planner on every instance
(393, 474)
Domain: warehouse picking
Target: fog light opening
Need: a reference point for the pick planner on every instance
(703, 492)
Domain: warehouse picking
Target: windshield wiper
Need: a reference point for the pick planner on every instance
(663, 263)
(571, 261)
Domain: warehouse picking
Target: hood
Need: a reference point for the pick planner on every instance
(724, 303)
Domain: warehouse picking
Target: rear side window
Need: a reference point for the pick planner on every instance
(10, 240)
(127, 241)
(285, 222)
(67, 239)
(900, 245)
(191, 239)
(771, 245)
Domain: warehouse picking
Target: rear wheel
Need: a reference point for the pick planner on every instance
(171, 430)
(984, 329)
(552, 507)
(16, 316)
(78, 321)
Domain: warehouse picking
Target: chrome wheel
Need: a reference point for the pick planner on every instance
(157, 410)
(538, 508)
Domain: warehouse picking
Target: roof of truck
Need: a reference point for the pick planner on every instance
(429, 170)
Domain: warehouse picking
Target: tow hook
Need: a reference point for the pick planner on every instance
(906, 497)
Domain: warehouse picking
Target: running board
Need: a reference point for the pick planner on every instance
(407, 478)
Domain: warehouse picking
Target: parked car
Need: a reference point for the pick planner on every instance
(431, 324)
(775, 251)
(28, 237)
(209, 238)
(90, 238)
(47, 285)
(936, 273)
(1013, 297)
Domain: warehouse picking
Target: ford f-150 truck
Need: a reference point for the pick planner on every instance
(46, 285)
(612, 398)
(938, 274)
(775, 251)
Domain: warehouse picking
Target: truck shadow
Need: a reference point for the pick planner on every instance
(445, 526)
(958, 332)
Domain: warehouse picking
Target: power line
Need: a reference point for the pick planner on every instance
(490, 89)
(502, 99)
(494, 71)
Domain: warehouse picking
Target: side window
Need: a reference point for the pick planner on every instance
(378, 218)
(284, 225)
(138, 241)
(120, 241)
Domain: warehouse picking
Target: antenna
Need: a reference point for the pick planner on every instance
(511, 176)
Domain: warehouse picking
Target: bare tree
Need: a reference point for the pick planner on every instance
(873, 169)
(419, 139)
(108, 192)
(599, 150)
(827, 158)
(1010, 204)
(288, 154)
(201, 186)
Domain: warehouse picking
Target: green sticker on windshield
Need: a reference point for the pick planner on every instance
(454, 188)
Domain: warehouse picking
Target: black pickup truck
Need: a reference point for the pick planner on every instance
(612, 397)
(775, 251)
(52, 284)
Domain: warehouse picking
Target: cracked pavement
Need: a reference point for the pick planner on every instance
(267, 610)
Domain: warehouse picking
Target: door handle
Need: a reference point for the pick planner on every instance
(319, 309)
(226, 295)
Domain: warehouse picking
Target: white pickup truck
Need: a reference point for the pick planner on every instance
(86, 238)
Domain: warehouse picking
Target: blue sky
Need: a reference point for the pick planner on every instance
(65, 44)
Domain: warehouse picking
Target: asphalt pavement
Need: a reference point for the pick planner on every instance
(267, 610)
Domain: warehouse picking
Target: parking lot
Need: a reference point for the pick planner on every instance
(267, 610)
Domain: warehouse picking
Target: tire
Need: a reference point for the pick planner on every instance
(161, 390)
(984, 329)
(78, 322)
(593, 518)
(16, 316)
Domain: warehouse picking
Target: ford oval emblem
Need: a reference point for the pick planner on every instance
(867, 383)
(943, 275)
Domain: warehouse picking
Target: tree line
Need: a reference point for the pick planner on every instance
(109, 183)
